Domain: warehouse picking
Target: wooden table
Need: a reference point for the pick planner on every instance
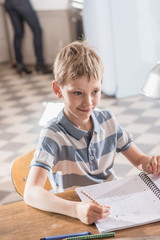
(21, 222)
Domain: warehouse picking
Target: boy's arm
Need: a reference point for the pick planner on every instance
(36, 196)
(141, 161)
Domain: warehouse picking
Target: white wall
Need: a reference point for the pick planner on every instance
(126, 34)
(49, 4)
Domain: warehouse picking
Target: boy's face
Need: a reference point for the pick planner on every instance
(80, 98)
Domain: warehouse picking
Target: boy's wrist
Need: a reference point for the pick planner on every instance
(75, 210)
(71, 209)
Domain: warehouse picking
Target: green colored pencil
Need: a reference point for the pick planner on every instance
(94, 236)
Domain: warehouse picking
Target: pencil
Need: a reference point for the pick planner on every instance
(94, 236)
(65, 236)
(92, 199)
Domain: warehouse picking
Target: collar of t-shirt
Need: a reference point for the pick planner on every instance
(73, 130)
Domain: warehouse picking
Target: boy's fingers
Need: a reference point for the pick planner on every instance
(158, 165)
(101, 214)
(100, 209)
(155, 165)
(149, 167)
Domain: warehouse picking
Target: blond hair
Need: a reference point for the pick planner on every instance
(76, 60)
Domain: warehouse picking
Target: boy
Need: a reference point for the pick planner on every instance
(78, 147)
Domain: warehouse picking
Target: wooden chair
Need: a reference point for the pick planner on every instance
(20, 170)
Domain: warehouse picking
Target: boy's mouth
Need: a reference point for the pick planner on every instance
(85, 110)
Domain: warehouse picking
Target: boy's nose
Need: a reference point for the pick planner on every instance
(87, 100)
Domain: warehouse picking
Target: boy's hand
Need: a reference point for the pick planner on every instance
(154, 165)
(89, 212)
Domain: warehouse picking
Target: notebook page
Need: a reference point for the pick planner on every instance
(132, 202)
(129, 211)
(155, 179)
(112, 188)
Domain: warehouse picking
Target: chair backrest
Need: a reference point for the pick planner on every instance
(20, 170)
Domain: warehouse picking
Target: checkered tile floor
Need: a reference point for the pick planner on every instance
(22, 103)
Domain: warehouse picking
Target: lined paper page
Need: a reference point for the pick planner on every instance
(131, 202)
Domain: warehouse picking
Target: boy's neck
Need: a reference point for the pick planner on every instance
(83, 125)
(86, 126)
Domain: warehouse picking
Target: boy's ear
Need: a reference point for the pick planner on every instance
(56, 89)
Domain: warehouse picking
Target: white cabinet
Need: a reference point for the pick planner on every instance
(56, 33)
(4, 49)
(58, 30)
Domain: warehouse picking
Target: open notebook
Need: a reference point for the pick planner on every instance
(133, 201)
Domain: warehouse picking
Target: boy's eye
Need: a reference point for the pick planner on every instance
(95, 91)
(77, 93)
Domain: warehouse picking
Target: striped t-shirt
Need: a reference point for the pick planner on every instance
(76, 157)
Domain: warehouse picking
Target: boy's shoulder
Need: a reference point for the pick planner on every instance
(52, 125)
(103, 114)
